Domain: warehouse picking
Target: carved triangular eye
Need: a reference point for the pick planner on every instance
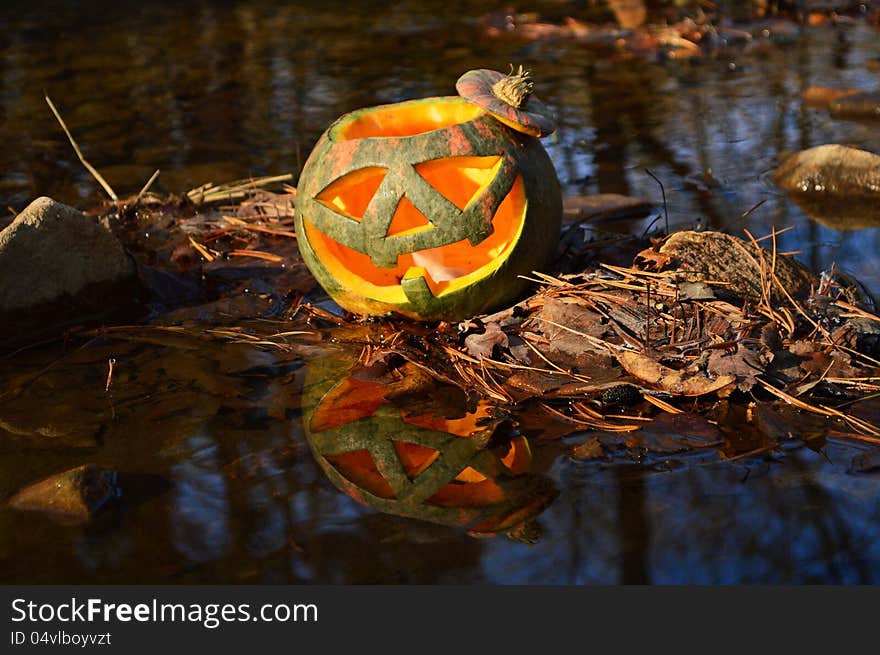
(407, 220)
(350, 194)
(459, 179)
(359, 467)
(414, 457)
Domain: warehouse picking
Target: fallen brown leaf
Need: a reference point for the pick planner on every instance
(590, 449)
(482, 345)
(678, 383)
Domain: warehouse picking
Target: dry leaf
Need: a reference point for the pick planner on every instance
(590, 449)
(482, 345)
(678, 383)
(822, 96)
(743, 363)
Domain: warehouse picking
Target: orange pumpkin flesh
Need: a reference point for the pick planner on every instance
(406, 119)
(429, 209)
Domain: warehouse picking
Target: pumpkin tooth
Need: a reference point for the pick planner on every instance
(414, 272)
(415, 285)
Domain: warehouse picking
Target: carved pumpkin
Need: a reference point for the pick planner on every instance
(417, 465)
(430, 209)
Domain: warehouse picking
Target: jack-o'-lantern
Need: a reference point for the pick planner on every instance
(430, 209)
(418, 465)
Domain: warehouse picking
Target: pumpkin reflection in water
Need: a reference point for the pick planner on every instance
(430, 209)
(415, 463)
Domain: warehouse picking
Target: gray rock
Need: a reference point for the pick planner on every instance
(836, 185)
(51, 250)
(830, 168)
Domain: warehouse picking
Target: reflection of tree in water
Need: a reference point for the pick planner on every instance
(580, 543)
(628, 111)
(797, 520)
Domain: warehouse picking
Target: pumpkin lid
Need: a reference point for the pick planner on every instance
(508, 98)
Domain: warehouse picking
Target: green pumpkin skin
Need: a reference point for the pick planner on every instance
(334, 157)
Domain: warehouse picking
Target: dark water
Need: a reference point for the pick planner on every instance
(222, 485)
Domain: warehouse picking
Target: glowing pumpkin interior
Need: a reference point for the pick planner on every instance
(461, 180)
(354, 399)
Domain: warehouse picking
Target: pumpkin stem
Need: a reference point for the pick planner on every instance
(515, 87)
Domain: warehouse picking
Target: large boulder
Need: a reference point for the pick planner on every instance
(51, 251)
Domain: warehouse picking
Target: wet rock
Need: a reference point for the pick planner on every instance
(704, 257)
(836, 185)
(857, 105)
(51, 250)
(73, 497)
(61, 263)
(830, 168)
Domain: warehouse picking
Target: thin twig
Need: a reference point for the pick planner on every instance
(147, 185)
(663, 194)
(79, 154)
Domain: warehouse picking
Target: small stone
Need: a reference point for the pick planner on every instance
(72, 497)
(830, 168)
(836, 185)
